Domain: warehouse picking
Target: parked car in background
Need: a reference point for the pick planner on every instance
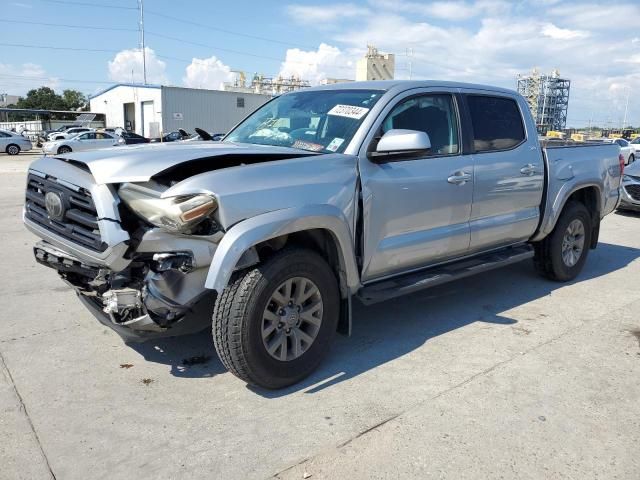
(630, 191)
(626, 149)
(635, 144)
(131, 138)
(68, 133)
(81, 142)
(172, 137)
(44, 135)
(366, 189)
(13, 143)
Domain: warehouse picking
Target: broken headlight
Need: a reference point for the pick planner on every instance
(174, 214)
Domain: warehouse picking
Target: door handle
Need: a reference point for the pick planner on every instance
(459, 178)
(528, 169)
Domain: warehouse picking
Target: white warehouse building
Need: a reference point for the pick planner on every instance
(150, 110)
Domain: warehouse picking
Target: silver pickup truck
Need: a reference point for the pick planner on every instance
(368, 190)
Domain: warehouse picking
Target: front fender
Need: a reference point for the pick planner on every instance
(248, 233)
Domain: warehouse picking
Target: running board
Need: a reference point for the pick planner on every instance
(413, 282)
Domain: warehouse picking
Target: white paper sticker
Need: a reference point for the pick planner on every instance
(335, 144)
(349, 111)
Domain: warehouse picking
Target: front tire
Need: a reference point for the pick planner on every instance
(63, 150)
(562, 254)
(13, 149)
(632, 159)
(273, 324)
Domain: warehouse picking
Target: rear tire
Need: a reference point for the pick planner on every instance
(13, 149)
(63, 150)
(562, 254)
(273, 324)
(632, 158)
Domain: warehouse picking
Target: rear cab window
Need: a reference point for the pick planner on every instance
(497, 123)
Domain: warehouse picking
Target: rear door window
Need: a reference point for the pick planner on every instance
(497, 123)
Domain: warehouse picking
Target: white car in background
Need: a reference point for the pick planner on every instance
(626, 149)
(635, 144)
(81, 142)
(70, 132)
(13, 143)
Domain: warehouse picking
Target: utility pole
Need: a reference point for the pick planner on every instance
(626, 108)
(409, 55)
(144, 53)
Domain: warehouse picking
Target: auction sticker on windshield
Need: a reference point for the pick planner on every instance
(335, 144)
(349, 111)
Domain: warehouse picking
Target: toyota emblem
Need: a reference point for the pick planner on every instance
(54, 205)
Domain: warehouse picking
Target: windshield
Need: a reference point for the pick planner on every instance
(318, 121)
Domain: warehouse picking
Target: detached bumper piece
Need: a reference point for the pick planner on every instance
(62, 262)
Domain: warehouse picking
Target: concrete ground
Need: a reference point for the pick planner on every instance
(505, 375)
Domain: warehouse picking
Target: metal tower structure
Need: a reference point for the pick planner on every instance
(548, 99)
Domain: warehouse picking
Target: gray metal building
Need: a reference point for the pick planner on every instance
(150, 110)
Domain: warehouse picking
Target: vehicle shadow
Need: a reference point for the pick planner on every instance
(389, 330)
(189, 356)
(628, 213)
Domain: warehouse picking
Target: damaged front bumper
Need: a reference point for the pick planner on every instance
(157, 295)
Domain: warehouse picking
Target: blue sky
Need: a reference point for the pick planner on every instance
(198, 43)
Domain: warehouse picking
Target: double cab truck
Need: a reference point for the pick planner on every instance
(366, 189)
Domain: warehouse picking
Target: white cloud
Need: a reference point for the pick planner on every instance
(207, 73)
(550, 30)
(593, 16)
(127, 66)
(497, 45)
(326, 62)
(321, 15)
(19, 79)
(453, 11)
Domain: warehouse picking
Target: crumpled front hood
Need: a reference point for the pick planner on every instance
(138, 163)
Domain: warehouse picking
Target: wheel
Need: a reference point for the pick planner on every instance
(13, 149)
(273, 324)
(561, 255)
(632, 158)
(64, 149)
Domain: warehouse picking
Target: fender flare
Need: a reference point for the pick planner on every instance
(252, 231)
(553, 211)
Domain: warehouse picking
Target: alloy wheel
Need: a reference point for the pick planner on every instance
(292, 319)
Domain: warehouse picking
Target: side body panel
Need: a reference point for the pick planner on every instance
(572, 168)
(508, 187)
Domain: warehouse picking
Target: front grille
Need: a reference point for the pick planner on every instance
(633, 191)
(80, 220)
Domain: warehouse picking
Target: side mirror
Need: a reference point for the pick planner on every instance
(398, 142)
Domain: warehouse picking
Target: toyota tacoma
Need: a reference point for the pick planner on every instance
(366, 189)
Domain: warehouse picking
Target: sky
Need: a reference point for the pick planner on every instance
(90, 44)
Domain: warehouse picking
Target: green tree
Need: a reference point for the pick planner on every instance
(45, 98)
(74, 99)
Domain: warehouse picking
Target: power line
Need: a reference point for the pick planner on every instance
(52, 77)
(81, 27)
(99, 50)
(48, 47)
(87, 4)
(230, 32)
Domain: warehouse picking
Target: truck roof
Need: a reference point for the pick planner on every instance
(386, 85)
